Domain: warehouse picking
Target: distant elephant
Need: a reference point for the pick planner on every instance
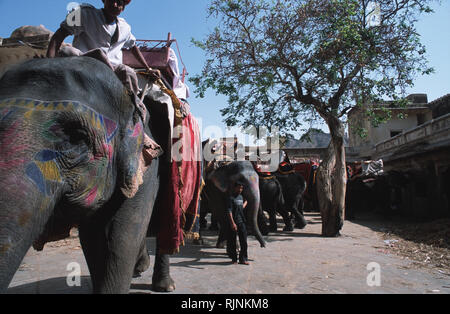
(218, 184)
(293, 185)
(72, 142)
(272, 201)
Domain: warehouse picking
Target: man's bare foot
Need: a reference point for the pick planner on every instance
(244, 263)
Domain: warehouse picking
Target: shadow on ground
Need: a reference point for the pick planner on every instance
(53, 286)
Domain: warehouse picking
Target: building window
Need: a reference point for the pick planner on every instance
(395, 132)
(420, 119)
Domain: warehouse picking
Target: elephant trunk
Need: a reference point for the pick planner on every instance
(15, 236)
(23, 213)
(251, 194)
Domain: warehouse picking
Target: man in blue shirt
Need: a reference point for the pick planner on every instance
(236, 218)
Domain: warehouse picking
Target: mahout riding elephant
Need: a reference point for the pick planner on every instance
(72, 142)
(217, 187)
(272, 201)
(293, 186)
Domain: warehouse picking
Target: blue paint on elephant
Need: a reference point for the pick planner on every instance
(35, 174)
(46, 155)
(5, 114)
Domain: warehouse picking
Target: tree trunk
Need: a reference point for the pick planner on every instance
(331, 181)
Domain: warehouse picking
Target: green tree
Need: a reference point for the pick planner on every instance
(282, 61)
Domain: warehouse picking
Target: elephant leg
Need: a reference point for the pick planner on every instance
(272, 220)
(143, 262)
(300, 221)
(287, 219)
(161, 280)
(214, 223)
(221, 240)
(203, 213)
(262, 223)
(203, 221)
(93, 243)
(111, 262)
(112, 240)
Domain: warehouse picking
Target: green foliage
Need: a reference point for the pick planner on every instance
(284, 62)
(381, 112)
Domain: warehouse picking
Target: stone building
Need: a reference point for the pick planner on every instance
(416, 113)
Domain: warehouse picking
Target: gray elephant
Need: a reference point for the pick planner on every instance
(72, 158)
(294, 186)
(217, 187)
(272, 201)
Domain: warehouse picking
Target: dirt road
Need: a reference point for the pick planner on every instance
(293, 262)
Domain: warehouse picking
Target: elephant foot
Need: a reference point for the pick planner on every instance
(163, 284)
(301, 224)
(221, 244)
(288, 228)
(198, 241)
(141, 266)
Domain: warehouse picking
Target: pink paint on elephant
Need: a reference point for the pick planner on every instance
(10, 151)
(137, 130)
(91, 196)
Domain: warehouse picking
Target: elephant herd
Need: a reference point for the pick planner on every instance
(279, 193)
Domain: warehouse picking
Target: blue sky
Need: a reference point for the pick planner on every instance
(187, 19)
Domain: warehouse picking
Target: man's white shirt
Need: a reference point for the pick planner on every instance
(93, 32)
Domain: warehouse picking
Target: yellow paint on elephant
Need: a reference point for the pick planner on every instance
(30, 104)
(21, 103)
(49, 170)
(95, 120)
(60, 107)
(28, 114)
(9, 103)
(44, 205)
(40, 107)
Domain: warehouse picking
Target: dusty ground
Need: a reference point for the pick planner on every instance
(426, 244)
(293, 262)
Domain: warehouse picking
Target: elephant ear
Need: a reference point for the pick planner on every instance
(137, 150)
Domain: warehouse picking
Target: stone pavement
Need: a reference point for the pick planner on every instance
(293, 262)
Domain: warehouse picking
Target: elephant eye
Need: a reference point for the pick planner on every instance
(77, 136)
(74, 131)
(74, 136)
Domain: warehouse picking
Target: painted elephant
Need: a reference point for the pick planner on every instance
(272, 201)
(217, 185)
(293, 185)
(74, 158)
